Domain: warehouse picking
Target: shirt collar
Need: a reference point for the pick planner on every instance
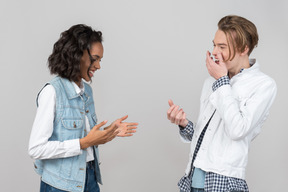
(79, 90)
(251, 62)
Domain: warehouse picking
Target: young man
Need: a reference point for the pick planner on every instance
(235, 101)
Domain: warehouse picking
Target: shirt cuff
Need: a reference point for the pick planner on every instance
(188, 129)
(220, 82)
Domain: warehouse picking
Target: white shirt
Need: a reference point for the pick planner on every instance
(39, 146)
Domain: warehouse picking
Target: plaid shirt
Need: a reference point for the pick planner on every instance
(215, 182)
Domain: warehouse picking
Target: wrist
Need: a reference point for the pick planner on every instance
(184, 123)
(84, 144)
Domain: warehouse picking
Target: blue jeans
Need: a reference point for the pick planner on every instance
(91, 184)
(195, 190)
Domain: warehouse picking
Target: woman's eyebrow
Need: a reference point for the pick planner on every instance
(98, 57)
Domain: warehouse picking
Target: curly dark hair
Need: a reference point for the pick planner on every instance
(68, 50)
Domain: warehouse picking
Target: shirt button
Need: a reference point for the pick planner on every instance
(87, 111)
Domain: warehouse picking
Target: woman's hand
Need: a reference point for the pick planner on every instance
(125, 129)
(97, 136)
(176, 115)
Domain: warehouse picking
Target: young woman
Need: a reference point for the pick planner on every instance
(65, 135)
(235, 101)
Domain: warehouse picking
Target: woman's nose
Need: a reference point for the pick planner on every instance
(98, 66)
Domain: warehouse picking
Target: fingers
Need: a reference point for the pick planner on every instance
(220, 58)
(131, 131)
(208, 58)
(127, 133)
(170, 102)
(97, 127)
(111, 128)
(132, 124)
(179, 117)
(175, 115)
(123, 118)
(130, 127)
(170, 111)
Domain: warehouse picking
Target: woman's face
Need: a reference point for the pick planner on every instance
(87, 69)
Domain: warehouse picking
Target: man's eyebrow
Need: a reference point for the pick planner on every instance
(220, 44)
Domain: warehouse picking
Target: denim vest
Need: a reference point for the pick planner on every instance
(69, 123)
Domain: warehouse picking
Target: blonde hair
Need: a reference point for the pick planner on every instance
(240, 32)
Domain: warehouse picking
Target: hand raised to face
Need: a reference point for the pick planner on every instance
(216, 68)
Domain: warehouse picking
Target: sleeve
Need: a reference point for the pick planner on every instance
(241, 115)
(186, 133)
(39, 145)
(220, 82)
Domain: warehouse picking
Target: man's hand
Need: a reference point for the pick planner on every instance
(216, 69)
(175, 115)
(97, 136)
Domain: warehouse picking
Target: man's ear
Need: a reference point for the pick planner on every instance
(246, 50)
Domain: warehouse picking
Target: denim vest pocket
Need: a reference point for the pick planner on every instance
(72, 128)
(72, 123)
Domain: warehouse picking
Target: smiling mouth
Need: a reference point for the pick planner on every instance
(91, 73)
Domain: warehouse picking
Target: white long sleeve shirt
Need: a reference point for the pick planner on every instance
(39, 145)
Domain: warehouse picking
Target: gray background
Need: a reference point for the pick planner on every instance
(154, 51)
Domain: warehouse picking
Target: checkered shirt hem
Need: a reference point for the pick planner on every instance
(220, 183)
(187, 132)
(220, 82)
(185, 184)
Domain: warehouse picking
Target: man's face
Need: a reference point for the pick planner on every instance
(220, 43)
